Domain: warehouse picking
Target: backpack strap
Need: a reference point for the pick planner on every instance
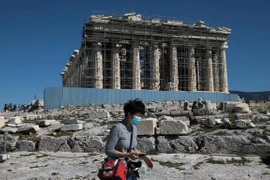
(131, 139)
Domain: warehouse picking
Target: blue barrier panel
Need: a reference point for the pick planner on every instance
(58, 96)
(53, 97)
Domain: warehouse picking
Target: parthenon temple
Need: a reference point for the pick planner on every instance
(129, 52)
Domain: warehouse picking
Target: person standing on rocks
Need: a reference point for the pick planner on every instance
(119, 139)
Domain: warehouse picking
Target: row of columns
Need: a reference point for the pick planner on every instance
(211, 74)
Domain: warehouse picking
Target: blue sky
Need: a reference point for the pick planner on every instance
(38, 37)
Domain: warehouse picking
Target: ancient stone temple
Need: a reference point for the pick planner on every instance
(132, 52)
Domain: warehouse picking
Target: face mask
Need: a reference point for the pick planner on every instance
(136, 120)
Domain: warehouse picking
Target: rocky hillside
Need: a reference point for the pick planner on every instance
(264, 95)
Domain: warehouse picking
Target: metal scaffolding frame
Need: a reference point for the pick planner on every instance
(106, 35)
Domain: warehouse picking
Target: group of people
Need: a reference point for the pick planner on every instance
(122, 140)
(14, 108)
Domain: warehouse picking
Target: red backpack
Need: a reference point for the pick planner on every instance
(112, 170)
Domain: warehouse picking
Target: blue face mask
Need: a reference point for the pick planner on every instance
(136, 120)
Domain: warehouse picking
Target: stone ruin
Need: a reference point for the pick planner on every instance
(168, 127)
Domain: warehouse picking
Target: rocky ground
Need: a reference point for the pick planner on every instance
(67, 166)
(182, 138)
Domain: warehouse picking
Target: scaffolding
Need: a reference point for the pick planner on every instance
(112, 43)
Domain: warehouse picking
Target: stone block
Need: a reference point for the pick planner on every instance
(25, 145)
(2, 121)
(4, 157)
(146, 144)
(173, 127)
(27, 129)
(31, 117)
(99, 113)
(71, 120)
(10, 130)
(242, 116)
(242, 108)
(244, 123)
(15, 120)
(45, 123)
(179, 113)
(166, 113)
(147, 126)
(72, 127)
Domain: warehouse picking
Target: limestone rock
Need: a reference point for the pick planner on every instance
(27, 129)
(45, 123)
(15, 120)
(146, 144)
(244, 123)
(25, 145)
(99, 114)
(86, 144)
(10, 140)
(71, 120)
(210, 122)
(147, 126)
(48, 143)
(71, 127)
(176, 144)
(10, 130)
(2, 121)
(242, 108)
(173, 127)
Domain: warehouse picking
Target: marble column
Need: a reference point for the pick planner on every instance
(192, 81)
(174, 69)
(209, 71)
(136, 69)
(198, 67)
(116, 79)
(98, 64)
(223, 70)
(155, 81)
(215, 71)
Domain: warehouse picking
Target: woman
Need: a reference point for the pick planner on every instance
(118, 141)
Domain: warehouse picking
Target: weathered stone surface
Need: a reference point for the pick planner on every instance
(99, 114)
(147, 126)
(171, 126)
(10, 140)
(242, 108)
(176, 144)
(33, 117)
(210, 122)
(71, 120)
(2, 121)
(86, 144)
(179, 113)
(260, 117)
(55, 126)
(27, 129)
(10, 130)
(25, 145)
(15, 120)
(4, 157)
(227, 106)
(242, 116)
(146, 144)
(71, 127)
(48, 143)
(94, 131)
(45, 123)
(244, 123)
(229, 144)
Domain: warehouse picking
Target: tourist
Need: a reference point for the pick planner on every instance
(119, 139)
